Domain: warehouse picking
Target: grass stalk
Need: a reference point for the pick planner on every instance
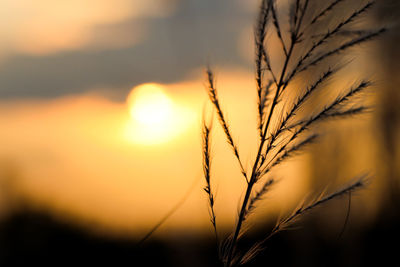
(291, 133)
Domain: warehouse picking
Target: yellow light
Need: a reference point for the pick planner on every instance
(154, 116)
(150, 106)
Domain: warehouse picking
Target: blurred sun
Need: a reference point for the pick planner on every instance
(150, 106)
(154, 116)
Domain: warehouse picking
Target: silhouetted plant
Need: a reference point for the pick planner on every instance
(305, 46)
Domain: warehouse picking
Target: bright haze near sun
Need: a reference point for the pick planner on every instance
(155, 117)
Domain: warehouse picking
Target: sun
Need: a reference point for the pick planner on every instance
(150, 106)
(153, 115)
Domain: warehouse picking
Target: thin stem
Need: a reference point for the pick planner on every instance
(346, 220)
(207, 173)
(283, 224)
(254, 173)
(212, 92)
(324, 38)
(277, 27)
(281, 86)
(324, 113)
(324, 11)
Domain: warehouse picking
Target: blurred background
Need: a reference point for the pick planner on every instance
(100, 111)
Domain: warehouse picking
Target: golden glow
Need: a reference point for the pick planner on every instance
(47, 26)
(154, 117)
(150, 106)
(85, 158)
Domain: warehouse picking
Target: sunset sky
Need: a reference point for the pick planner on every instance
(71, 141)
(73, 47)
(101, 104)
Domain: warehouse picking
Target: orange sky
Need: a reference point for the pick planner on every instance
(72, 155)
(80, 155)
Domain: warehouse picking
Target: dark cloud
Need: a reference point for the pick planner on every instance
(199, 32)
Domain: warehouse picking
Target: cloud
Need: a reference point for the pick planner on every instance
(197, 33)
(48, 26)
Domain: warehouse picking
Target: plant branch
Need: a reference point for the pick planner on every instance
(254, 173)
(212, 92)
